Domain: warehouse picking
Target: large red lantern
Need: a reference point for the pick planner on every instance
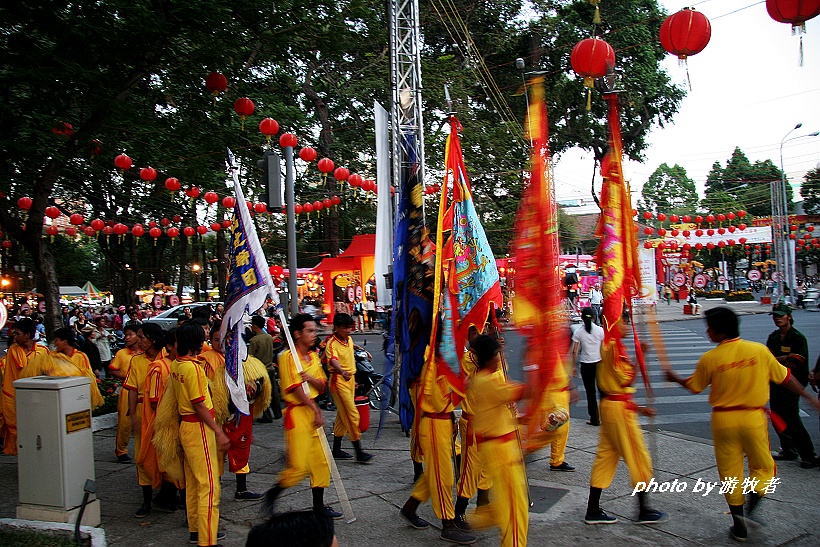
(172, 184)
(51, 231)
(327, 202)
(307, 207)
(287, 139)
(148, 174)
(269, 127)
(70, 231)
(215, 226)
(260, 207)
(336, 200)
(592, 58)
(52, 212)
(211, 197)
(341, 173)
(685, 33)
(188, 231)
(192, 192)
(796, 12)
(76, 219)
(97, 224)
(307, 154)
(244, 107)
(137, 230)
(355, 180)
(202, 230)
(228, 202)
(661, 216)
(123, 162)
(216, 83)
(325, 165)
(24, 203)
(226, 223)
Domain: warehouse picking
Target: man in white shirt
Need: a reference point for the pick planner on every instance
(596, 300)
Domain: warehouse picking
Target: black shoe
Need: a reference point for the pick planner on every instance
(651, 516)
(738, 535)
(329, 512)
(462, 524)
(563, 467)
(596, 424)
(247, 495)
(341, 455)
(808, 464)
(599, 517)
(784, 456)
(125, 458)
(143, 511)
(451, 532)
(193, 539)
(363, 457)
(414, 520)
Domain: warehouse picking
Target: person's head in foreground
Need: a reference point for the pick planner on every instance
(294, 529)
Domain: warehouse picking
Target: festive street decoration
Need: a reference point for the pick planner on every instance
(592, 58)
(796, 13)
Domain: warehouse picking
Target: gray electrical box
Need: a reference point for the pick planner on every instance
(55, 447)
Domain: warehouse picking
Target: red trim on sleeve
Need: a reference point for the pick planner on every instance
(129, 388)
(292, 387)
(788, 375)
(198, 400)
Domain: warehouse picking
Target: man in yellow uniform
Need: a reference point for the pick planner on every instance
(119, 369)
(739, 372)
(66, 360)
(23, 351)
(621, 435)
(199, 435)
(342, 366)
(434, 428)
(303, 418)
(151, 341)
(495, 431)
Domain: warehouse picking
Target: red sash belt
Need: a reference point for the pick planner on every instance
(289, 422)
(503, 438)
(738, 407)
(194, 418)
(624, 398)
(438, 415)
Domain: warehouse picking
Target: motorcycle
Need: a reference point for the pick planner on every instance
(368, 381)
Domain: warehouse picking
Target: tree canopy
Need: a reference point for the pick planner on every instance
(743, 185)
(669, 190)
(810, 190)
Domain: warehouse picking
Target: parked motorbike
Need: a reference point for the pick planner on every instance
(368, 381)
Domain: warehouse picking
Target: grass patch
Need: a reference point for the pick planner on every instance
(24, 537)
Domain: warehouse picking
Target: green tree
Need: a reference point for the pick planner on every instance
(669, 190)
(810, 190)
(742, 184)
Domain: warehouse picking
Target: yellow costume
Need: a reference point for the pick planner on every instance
(343, 391)
(155, 384)
(121, 362)
(555, 395)
(621, 436)
(739, 372)
(76, 364)
(473, 474)
(135, 381)
(190, 385)
(16, 360)
(495, 430)
(304, 449)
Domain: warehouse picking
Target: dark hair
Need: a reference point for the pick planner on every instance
(201, 312)
(724, 321)
(294, 529)
(170, 336)
(258, 321)
(154, 333)
(133, 327)
(586, 317)
(200, 320)
(63, 333)
(485, 348)
(342, 320)
(297, 322)
(26, 326)
(217, 325)
(190, 338)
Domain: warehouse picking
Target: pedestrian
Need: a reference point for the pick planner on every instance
(667, 292)
(342, 366)
(586, 349)
(119, 369)
(358, 315)
(370, 308)
(620, 436)
(791, 349)
(496, 435)
(739, 372)
(102, 339)
(303, 420)
(693, 302)
(596, 300)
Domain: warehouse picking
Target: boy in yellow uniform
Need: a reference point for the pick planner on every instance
(739, 372)
(199, 435)
(302, 418)
(119, 369)
(66, 360)
(621, 435)
(151, 340)
(495, 432)
(342, 366)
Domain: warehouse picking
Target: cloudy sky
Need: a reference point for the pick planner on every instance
(747, 90)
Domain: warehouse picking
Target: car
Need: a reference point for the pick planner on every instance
(170, 317)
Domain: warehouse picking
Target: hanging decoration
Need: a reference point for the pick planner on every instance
(269, 127)
(307, 154)
(684, 34)
(795, 12)
(52, 212)
(216, 83)
(592, 58)
(244, 107)
(228, 202)
(211, 197)
(148, 174)
(172, 184)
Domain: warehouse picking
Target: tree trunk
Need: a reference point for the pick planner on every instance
(46, 273)
(221, 264)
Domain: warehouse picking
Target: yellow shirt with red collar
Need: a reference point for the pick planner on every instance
(342, 351)
(739, 372)
(289, 377)
(615, 374)
(190, 385)
(491, 395)
(137, 373)
(122, 360)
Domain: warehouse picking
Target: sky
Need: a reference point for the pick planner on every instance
(748, 91)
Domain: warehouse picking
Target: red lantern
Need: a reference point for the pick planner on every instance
(647, 215)
(792, 228)
(52, 212)
(269, 127)
(244, 107)
(297, 208)
(792, 236)
(148, 174)
(165, 221)
(211, 197)
(215, 226)
(368, 185)
(120, 229)
(172, 184)
(806, 236)
(592, 58)
(710, 218)
(155, 233)
(7, 244)
(172, 232)
(674, 219)
(202, 230)
(699, 233)
(721, 231)
(63, 129)
(648, 231)
(731, 242)
(686, 233)
(260, 207)
(228, 202)
(742, 240)
(177, 219)
(308, 208)
(327, 203)
(810, 228)
(741, 226)
(721, 244)
(661, 216)
(89, 231)
(249, 205)
(71, 231)
(188, 231)
(123, 162)
(741, 213)
(325, 165)
(307, 154)
(97, 224)
(699, 246)
(721, 217)
(686, 247)
(287, 139)
(685, 33)
(152, 224)
(276, 271)
(730, 216)
(341, 173)
(355, 180)
(796, 12)
(710, 245)
(687, 219)
(814, 240)
(192, 192)
(662, 232)
(732, 229)
(226, 223)
(675, 233)
(216, 83)
(336, 200)
(24, 203)
(76, 219)
(647, 245)
(138, 230)
(699, 219)
(51, 231)
(318, 206)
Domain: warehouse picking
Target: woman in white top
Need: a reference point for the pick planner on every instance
(586, 348)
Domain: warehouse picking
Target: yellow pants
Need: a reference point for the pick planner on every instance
(620, 437)
(435, 438)
(202, 489)
(509, 505)
(740, 432)
(556, 439)
(123, 425)
(473, 474)
(143, 477)
(305, 454)
(347, 415)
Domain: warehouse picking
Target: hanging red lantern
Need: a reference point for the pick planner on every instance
(318, 206)
(792, 236)
(269, 127)
(742, 240)
(327, 203)
(76, 219)
(152, 224)
(95, 148)
(661, 216)
(172, 232)
(795, 12)
(216, 83)
(249, 205)
(137, 230)
(592, 58)
(662, 232)
(172, 184)
(63, 129)
(674, 219)
(52, 212)
(687, 219)
(721, 244)
(148, 174)
(721, 231)
(97, 224)
(165, 221)
(341, 173)
(721, 217)
(188, 231)
(325, 165)
(297, 208)
(192, 192)
(686, 233)
(211, 197)
(730, 216)
(202, 230)
(699, 233)
(155, 233)
(741, 213)
(731, 243)
(685, 33)
(287, 140)
(355, 180)
(367, 185)
(710, 218)
(647, 245)
(260, 207)
(70, 231)
(336, 200)
(123, 162)
(51, 231)
(647, 215)
(792, 228)
(307, 154)
(810, 228)
(226, 223)
(177, 219)
(244, 107)
(7, 244)
(308, 208)
(686, 246)
(24, 203)
(276, 271)
(89, 231)
(806, 236)
(741, 226)
(215, 226)
(120, 229)
(675, 233)
(699, 219)
(228, 202)
(710, 245)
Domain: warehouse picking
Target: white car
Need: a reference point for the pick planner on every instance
(170, 317)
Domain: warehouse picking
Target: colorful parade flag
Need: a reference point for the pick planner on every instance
(248, 289)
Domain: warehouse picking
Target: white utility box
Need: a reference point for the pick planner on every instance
(55, 449)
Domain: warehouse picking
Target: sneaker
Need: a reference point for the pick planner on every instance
(341, 455)
(193, 539)
(651, 516)
(461, 523)
(784, 456)
(563, 467)
(124, 458)
(596, 424)
(364, 457)
(143, 511)
(414, 520)
(599, 517)
(453, 534)
(807, 464)
(329, 511)
(247, 495)
(738, 535)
